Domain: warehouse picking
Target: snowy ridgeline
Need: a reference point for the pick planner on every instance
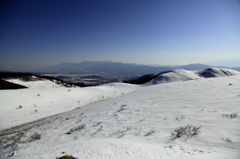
(198, 118)
(184, 75)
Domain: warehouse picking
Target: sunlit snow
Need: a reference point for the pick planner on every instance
(127, 121)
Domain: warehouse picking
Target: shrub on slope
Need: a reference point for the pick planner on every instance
(188, 130)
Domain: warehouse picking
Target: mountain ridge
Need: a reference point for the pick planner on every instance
(225, 62)
(176, 75)
(102, 67)
(118, 68)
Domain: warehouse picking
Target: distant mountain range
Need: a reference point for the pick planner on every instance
(225, 62)
(96, 67)
(108, 67)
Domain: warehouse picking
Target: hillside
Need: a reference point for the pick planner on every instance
(11, 80)
(173, 76)
(10, 85)
(184, 75)
(126, 121)
(216, 72)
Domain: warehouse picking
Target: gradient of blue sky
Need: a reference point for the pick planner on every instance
(38, 33)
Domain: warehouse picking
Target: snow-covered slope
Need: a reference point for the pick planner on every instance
(184, 75)
(35, 84)
(173, 76)
(137, 124)
(216, 72)
(45, 98)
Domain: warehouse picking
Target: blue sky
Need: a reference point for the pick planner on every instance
(40, 33)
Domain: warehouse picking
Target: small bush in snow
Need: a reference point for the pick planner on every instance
(123, 107)
(121, 133)
(98, 123)
(75, 137)
(34, 137)
(227, 139)
(66, 157)
(78, 128)
(231, 116)
(13, 139)
(150, 132)
(179, 118)
(188, 130)
(20, 135)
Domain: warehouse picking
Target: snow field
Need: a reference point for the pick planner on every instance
(35, 84)
(47, 98)
(139, 124)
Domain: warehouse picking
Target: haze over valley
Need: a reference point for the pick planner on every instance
(96, 72)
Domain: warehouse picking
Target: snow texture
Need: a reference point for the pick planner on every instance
(135, 124)
(45, 98)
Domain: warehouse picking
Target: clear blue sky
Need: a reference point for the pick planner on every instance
(38, 33)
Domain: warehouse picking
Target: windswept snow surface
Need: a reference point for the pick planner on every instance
(45, 98)
(134, 125)
(184, 75)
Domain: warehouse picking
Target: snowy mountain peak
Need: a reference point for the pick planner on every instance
(184, 75)
(173, 76)
(216, 72)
